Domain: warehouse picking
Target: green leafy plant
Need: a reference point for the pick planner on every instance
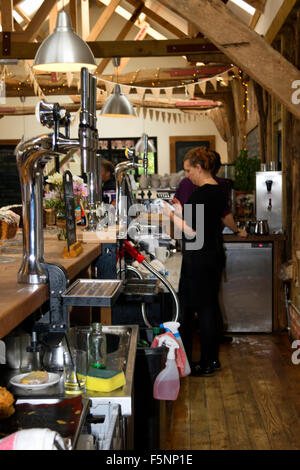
(245, 169)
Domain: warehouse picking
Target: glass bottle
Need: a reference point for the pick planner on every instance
(97, 347)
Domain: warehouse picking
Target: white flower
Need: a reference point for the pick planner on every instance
(56, 179)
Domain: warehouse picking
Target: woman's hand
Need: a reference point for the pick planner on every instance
(166, 209)
(242, 233)
(177, 205)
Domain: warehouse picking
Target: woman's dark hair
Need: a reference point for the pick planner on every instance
(108, 166)
(217, 162)
(201, 156)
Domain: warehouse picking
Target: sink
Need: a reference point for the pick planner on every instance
(78, 338)
(121, 340)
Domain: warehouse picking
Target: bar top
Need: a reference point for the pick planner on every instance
(18, 301)
(227, 237)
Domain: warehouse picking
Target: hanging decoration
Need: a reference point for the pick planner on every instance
(2, 85)
(33, 81)
(190, 88)
(245, 99)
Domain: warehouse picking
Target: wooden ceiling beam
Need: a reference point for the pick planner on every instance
(159, 20)
(53, 18)
(7, 19)
(259, 5)
(38, 19)
(243, 46)
(85, 19)
(122, 35)
(101, 49)
(279, 20)
(73, 10)
(103, 20)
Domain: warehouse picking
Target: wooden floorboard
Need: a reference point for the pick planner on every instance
(253, 403)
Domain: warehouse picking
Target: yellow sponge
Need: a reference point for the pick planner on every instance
(103, 380)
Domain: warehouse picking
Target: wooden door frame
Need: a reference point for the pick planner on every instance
(187, 138)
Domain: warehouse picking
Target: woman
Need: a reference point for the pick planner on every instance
(201, 258)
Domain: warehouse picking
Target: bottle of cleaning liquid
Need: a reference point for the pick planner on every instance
(167, 384)
(173, 327)
(97, 347)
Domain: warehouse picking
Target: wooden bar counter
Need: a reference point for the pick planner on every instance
(18, 301)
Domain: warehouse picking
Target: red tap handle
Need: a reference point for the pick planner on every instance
(133, 251)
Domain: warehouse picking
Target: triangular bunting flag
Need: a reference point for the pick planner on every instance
(169, 117)
(163, 115)
(155, 92)
(109, 87)
(151, 114)
(138, 111)
(191, 90)
(140, 92)
(214, 83)
(202, 86)
(175, 117)
(145, 112)
(126, 89)
(69, 78)
(169, 93)
(157, 114)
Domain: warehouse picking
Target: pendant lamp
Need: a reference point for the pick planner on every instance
(140, 145)
(64, 50)
(117, 104)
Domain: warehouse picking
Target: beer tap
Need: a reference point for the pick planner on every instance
(32, 154)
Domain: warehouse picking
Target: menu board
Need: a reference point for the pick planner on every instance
(69, 208)
(10, 189)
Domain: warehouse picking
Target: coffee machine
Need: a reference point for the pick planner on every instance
(269, 199)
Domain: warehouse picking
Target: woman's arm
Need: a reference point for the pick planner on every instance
(178, 221)
(229, 222)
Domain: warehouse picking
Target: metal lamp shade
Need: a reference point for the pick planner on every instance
(140, 146)
(63, 50)
(117, 105)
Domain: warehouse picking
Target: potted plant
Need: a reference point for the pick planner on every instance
(244, 183)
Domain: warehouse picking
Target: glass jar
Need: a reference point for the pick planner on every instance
(97, 347)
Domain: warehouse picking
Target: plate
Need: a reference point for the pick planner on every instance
(52, 379)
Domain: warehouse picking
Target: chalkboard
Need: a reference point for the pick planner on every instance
(253, 143)
(180, 145)
(10, 189)
(69, 208)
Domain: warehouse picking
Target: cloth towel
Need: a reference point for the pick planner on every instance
(180, 356)
(35, 439)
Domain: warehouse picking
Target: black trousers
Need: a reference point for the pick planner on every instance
(200, 310)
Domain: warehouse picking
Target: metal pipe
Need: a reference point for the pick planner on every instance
(32, 153)
(121, 201)
(29, 155)
(168, 286)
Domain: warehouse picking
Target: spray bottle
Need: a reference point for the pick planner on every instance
(173, 326)
(167, 384)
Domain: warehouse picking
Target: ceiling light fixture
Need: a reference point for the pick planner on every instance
(143, 143)
(117, 104)
(64, 50)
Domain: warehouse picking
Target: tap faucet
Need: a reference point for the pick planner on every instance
(31, 155)
(121, 171)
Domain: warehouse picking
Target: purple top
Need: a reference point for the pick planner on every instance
(186, 188)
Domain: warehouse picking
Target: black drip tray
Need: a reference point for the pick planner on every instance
(142, 290)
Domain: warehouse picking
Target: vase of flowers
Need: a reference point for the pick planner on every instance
(54, 199)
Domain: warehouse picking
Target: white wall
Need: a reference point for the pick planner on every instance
(14, 127)
(265, 20)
